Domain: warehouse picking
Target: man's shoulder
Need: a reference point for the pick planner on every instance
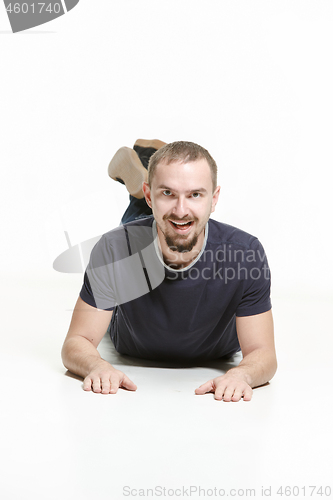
(127, 238)
(222, 233)
(119, 231)
(145, 220)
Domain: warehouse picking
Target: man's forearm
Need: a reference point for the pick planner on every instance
(80, 356)
(257, 367)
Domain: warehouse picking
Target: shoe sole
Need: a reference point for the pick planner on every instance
(127, 167)
(150, 143)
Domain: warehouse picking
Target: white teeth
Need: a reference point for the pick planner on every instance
(180, 223)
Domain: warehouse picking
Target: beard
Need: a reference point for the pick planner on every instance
(175, 246)
(180, 243)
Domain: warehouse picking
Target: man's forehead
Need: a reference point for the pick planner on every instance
(199, 168)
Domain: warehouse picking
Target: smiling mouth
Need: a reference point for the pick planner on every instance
(181, 226)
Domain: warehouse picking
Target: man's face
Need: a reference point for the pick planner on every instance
(182, 199)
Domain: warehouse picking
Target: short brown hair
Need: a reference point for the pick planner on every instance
(184, 152)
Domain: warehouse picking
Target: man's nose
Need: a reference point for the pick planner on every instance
(181, 209)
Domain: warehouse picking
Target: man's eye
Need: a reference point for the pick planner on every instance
(166, 192)
(196, 195)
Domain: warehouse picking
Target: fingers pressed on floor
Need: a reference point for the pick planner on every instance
(87, 384)
(106, 386)
(96, 384)
(114, 386)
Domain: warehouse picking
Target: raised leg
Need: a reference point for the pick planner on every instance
(129, 166)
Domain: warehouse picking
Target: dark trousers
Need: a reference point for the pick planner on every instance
(138, 208)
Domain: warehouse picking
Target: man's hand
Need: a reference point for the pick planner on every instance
(229, 387)
(256, 339)
(105, 379)
(80, 354)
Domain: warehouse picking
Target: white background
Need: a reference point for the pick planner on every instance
(252, 82)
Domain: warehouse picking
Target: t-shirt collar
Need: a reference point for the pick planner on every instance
(159, 253)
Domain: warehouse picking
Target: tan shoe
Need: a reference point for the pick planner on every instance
(150, 143)
(126, 167)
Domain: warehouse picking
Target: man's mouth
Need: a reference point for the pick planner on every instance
(181, 226)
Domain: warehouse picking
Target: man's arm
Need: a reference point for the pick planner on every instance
(256, 339)
(80, 355)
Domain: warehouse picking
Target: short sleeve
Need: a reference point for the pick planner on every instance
(256, 282)
(118, 268)
(97, 289)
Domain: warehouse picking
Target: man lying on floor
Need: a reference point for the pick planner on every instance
(172, 284)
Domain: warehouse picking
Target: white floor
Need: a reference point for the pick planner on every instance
(59, 442)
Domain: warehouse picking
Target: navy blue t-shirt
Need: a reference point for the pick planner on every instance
(168, 314)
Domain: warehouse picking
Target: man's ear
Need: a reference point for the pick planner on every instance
(147, 193)
(215, 198)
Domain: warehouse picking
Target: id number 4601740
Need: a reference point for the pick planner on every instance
(33, 8)
(304, 491)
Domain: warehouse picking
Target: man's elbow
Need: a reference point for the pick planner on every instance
(272, 366)
(64, 355)
(67, 353)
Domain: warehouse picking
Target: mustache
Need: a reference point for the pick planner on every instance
(175, 219)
